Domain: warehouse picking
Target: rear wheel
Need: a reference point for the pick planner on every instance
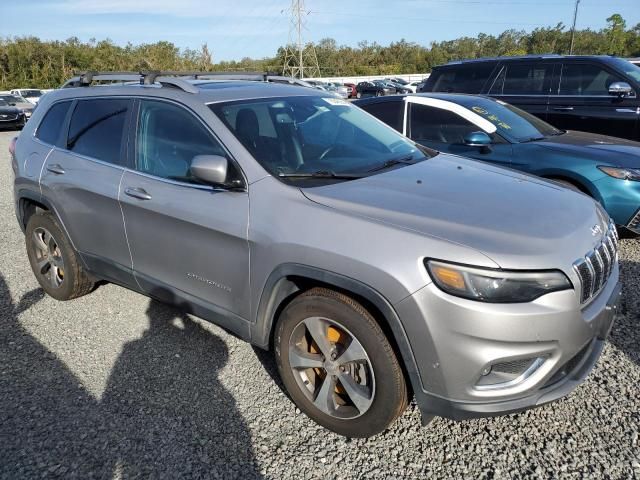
(337, 364)
(53, 260)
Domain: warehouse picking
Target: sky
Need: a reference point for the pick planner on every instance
(256, 28)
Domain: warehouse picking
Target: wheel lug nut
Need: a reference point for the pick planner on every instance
(334, 355)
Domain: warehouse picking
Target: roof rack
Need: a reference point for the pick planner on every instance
(176, 79)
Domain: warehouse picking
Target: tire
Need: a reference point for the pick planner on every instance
(568, 185)
(53, 260)
(360, 364)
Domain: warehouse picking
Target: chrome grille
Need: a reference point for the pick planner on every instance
(596, 266)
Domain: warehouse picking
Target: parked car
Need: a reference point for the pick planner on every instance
(597, 94)
(10, 116)
(398, 80)
(374, 88)
(413, 86)
(20, 103)
(32, 95)
(339, 88)
(605, 168)
(402, 89)
(635, 61)
(351, 88)
(304, 225)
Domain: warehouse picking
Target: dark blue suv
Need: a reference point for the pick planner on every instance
(588, 93)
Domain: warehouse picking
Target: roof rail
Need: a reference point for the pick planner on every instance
(165, 78)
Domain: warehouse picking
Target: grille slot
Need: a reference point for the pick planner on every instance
(595, 268)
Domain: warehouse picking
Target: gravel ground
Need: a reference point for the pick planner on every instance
(113, 385)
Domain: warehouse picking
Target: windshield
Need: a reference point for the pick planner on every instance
(511, 122)
(31, 93)
(627, 67)
(3, 103)
(309, 134)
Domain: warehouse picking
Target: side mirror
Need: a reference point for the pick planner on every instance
(477, 139)
(620, 89)
(210, 169)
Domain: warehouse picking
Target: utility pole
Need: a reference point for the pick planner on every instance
(573, 28)
(296, 55)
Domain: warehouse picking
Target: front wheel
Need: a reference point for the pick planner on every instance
(337, 364)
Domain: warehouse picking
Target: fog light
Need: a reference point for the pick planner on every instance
(486, 371)
(509, 373)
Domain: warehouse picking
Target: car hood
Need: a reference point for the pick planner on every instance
(10, 110)
(517, 220)
(608, 150)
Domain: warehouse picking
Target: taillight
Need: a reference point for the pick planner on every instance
(12, 146)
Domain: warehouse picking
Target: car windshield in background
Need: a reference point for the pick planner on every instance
(12, 99)
(314, 137)
(511, 122)
(3, 103)
(31, 93)
(627, 67)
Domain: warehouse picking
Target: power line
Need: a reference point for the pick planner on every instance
(294, 61)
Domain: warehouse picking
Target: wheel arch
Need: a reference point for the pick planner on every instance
(289, 280)
(29, 202)
(579, 182)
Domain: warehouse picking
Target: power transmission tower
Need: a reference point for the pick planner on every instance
(573, 28)
(299, 61)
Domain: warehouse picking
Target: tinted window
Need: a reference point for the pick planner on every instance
(582, 79)
(391, 113)
(523, 79)
(464, 79)
(438, 125)
(168, 139)
(97, 127)
(51, 125)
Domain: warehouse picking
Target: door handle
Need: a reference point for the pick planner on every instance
(138, 193)
(563, 109)
(55, 168)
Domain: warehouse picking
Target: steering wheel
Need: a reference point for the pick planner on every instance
(326, 152)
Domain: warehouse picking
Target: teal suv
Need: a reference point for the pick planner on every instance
(605, 168)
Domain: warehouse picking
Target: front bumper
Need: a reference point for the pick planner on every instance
(462, 340)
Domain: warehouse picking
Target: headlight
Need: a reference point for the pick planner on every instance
(495, 286)
(622, 173)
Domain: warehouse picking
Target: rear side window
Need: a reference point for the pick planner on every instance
(463, 79)
(391, 113)
(97, 128)
(51, 125)
(523, 79)
(583, 79)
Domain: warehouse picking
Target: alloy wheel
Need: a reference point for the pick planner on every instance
(49, 262)
(332, 368)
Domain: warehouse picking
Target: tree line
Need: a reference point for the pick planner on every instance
(31, 62)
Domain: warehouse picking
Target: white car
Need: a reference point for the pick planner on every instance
(32, 95)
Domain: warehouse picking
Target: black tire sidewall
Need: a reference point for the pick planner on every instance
(390, 389)
(47, 221)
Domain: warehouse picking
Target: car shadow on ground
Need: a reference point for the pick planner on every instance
(164, 414)
(625, 334)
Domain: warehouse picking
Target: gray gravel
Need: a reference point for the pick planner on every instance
(113, 385)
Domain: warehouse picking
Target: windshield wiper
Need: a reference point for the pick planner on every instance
(321, 174)
(531, 139)
(406, 160)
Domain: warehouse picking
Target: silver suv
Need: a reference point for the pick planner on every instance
(376, 270)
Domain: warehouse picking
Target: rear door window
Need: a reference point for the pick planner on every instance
(97, 128)
(51, 126)
(523, 79)
(586, 79)
(390, 112)
(464, 79)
